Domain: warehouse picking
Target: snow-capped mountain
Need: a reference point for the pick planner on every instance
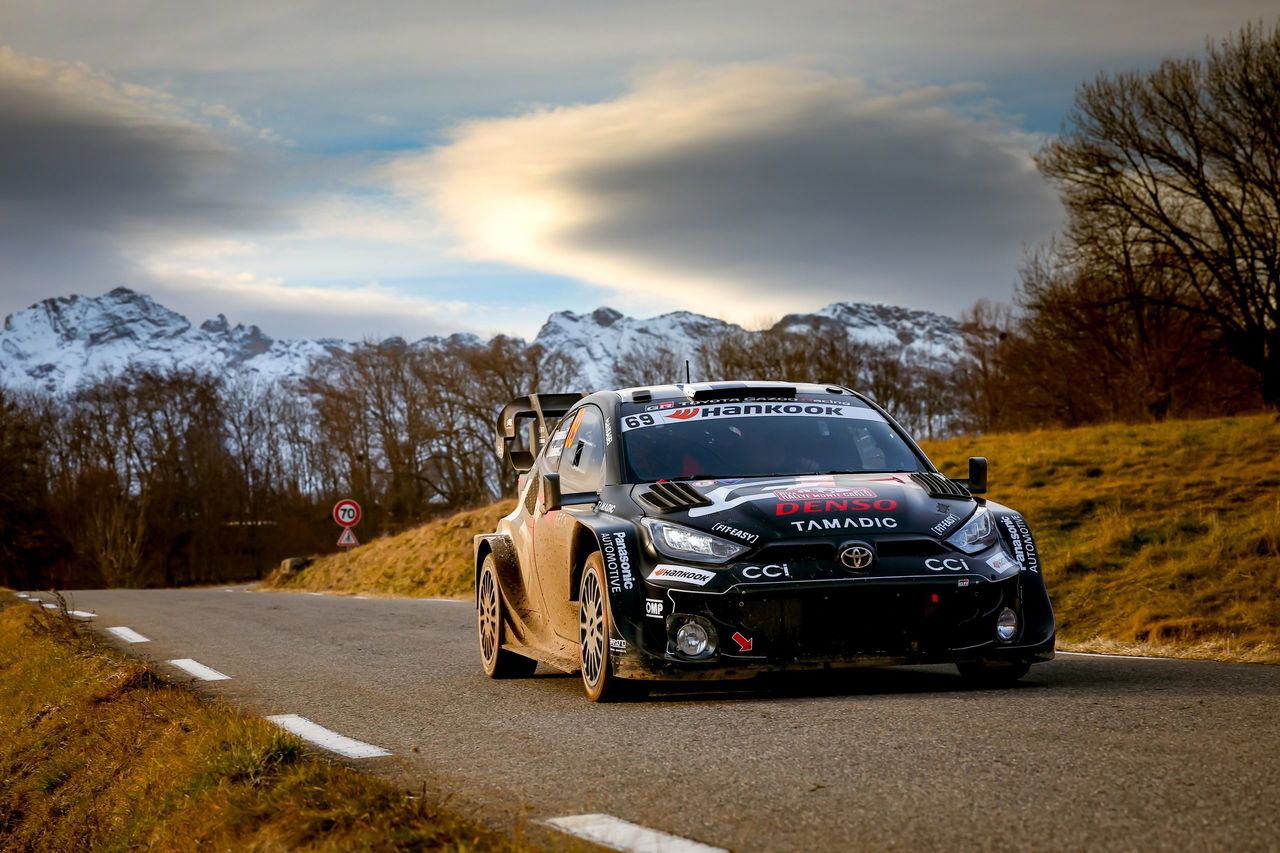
(605, 338)
(59, 343)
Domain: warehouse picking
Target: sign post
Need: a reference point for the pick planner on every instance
(346, 513)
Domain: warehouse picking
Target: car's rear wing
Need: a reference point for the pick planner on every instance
(539, 411)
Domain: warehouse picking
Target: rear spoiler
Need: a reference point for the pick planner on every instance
(545, 410)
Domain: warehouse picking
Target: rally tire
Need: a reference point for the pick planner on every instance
(983, 674)
(594, 630)
(497, 661)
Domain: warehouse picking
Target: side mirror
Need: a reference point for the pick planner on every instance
(550, 492)
(977, 474)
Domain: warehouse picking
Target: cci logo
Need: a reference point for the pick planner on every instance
(936, 565)
(772, 570)
(857, 556)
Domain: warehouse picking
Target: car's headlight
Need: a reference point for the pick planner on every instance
(977, 534)
(684, 543)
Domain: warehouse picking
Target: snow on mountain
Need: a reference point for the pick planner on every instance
(59, 343)
(599, 341)
(928, 338)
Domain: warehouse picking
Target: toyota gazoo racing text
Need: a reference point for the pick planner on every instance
(723, 530)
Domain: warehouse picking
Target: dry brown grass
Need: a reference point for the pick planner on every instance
(432, 561)
(1154, 537)
(1158, 538)
(97, 753)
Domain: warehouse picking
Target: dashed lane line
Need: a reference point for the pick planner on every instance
(79, 614)
(330, 740)
(128, 634)
(619, 834)
(199, 670)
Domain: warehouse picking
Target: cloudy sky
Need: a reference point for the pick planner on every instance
(418, 166)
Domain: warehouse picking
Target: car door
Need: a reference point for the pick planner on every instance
(581, 469)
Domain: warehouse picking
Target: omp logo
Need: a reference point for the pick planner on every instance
(684, 414)
(653, 607)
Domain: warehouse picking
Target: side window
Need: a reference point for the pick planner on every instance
(582, 455)
(556, 445)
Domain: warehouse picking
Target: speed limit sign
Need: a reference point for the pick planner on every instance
(346, 512)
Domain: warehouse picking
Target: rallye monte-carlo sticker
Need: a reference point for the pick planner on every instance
(689, 414)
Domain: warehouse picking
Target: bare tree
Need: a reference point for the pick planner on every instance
(1177, 170)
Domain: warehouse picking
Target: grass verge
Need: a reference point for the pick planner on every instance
(98, 753)
(431, 561)
(1159, 539)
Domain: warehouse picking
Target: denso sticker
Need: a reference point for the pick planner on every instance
(750, 410)
(833, 505)
(682, 574)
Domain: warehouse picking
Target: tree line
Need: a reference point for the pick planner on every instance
(1159, 299)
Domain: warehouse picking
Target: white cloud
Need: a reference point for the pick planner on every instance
(747, 189)
(350, 312)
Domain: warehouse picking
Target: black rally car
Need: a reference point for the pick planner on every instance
(721, 530)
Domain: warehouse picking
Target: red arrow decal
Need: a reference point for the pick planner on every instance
(744, 644)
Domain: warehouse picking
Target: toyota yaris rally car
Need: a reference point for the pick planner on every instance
(724, 530)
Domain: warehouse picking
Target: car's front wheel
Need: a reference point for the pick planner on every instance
(598, 679)
(497, 661)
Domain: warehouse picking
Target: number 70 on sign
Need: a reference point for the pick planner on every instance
(347, 513)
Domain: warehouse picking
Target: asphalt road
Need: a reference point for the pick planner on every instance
(1087, 753)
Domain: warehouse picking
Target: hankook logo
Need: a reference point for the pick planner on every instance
(857, 557)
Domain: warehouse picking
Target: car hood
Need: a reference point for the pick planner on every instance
(754, 510)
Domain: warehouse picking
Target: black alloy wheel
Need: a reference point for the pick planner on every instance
(497, 661)
(598, 680)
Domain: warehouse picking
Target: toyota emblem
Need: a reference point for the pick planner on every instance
(857, 557)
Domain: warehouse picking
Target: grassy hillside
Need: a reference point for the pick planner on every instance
(98, 753)
(1155, 537)
(1157, 534)
(431, 561)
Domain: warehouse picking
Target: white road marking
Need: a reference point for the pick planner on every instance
(199, 670)
(450, 600)
(79, 614)
(330, 740)
(315, 593)
(21, 595)
(619, 834)
(1117, 657)
(128, 634)
(361, 597)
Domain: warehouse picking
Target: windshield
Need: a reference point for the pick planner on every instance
(679, 441)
